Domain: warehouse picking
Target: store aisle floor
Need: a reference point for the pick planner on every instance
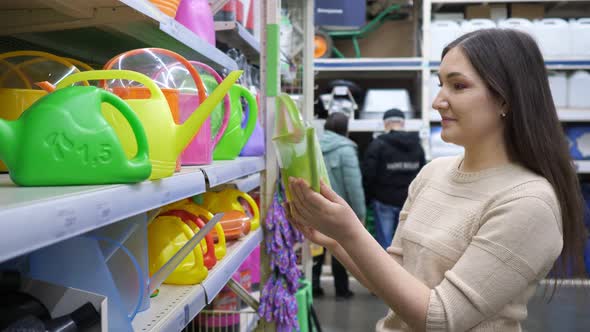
(567, 311)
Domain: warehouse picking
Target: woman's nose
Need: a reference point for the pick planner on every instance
(440, 103)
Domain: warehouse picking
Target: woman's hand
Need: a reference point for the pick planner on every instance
(324, 212)
(310, 233)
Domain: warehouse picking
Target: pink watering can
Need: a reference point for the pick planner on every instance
(196, 15)
(200, 150)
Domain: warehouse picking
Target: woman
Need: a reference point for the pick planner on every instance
(340, 154)
(477, 232)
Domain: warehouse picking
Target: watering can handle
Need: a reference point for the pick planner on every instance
(202, 212)
(194, 73)
(226, 101)
(41, 56)
(141, 282)
(138, 130)
(96, 75)
(252, 110)
(292, 111)
(252, 204)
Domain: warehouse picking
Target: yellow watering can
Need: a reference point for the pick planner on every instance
(14, 100)
(228, 200)
(199, 211)
(166, 236)
(166, 139)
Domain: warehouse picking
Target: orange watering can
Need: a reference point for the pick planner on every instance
(229, 200)
(166, 139)
(197, 210)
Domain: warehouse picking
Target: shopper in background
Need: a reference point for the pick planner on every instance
(340, 154)
(391, 162)
(478, 232)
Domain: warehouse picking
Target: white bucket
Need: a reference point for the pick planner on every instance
(553, 36)
(580, 34)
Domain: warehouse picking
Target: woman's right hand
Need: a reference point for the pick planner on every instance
(311, 233)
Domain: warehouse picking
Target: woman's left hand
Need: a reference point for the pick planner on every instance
(325, 211)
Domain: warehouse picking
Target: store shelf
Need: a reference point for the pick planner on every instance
(582, 166)
(370, 125)
(235, 35)
(552, 64)
(35, 217)
(225, 171)
(176, 306)
(565, 115)
(248, 183)
(97, 30)
(368, 64)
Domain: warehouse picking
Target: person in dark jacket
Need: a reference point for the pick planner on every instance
(342, 164)
(391, 162)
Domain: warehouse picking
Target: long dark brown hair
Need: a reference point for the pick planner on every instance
(512, 66)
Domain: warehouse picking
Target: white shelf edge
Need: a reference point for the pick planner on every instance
(221, 172)
(237, 252)
(173, 309)
(182, 34)
(36, 217)
(368, 64)
(570, 63)
(248, 183)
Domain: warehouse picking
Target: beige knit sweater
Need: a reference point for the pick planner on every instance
(481, 241)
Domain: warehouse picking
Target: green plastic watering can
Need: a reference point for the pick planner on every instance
(166, 139)
(235, 137)
(64, 139)
(297, 147)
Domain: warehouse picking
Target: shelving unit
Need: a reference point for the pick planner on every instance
(81, 28)
(234, 34)
(368, 64)
(42, 216)
(583, 166)
(552, 64)
(176, 306)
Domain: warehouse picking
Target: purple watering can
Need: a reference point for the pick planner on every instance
(255, 145)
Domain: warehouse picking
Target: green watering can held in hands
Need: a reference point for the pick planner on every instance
(166, 139)
(63, 139)
(235, 137)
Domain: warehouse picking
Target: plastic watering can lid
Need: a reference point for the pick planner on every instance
(168, 69)
(51, 67)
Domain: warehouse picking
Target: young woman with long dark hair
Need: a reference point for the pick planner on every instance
(478, 232)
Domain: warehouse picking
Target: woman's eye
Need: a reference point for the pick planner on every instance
(440, 84)
(459, 86)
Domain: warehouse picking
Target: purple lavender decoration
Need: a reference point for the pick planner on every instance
(277, 301)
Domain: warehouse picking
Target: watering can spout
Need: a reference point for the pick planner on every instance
(191, 126)
(8, 142)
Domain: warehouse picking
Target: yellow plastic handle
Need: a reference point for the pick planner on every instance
(96, 75)
(256, 218)
(39, 54)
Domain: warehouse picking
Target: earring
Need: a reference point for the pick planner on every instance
(503, 115)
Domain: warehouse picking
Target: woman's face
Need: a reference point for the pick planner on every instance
(470, 113)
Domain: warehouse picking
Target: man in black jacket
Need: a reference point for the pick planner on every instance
(391, 162)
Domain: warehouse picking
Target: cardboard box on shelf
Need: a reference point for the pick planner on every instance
(392, 39)
(526, 10)
(478, 11)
